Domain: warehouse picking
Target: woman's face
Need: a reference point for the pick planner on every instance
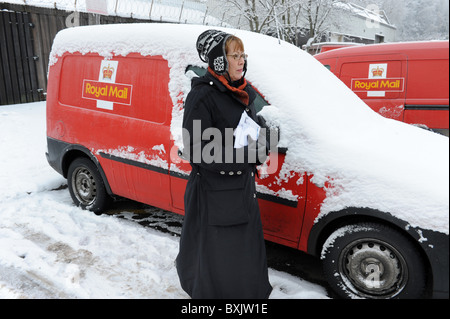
(235, 65)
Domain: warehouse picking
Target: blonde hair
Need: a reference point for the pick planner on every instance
(238, 41)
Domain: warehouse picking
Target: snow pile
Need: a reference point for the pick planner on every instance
(51, 249)
(363, 159)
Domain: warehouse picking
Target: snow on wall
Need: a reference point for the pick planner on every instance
(368, 160)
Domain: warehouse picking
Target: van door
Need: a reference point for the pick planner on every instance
(147, 130)
(379, 80)
(428, 94)
(281, 197)
(179, 174)
(119, 109)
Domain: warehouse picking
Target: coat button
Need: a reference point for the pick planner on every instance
(254, 195)
(231, 173)
(253, 174)
(222, 172)
(239, 172)
(247, 109)
(211, 83)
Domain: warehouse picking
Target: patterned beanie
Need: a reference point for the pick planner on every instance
(211, 50)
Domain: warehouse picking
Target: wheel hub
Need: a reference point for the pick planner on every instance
(374, 268)
(84, 186)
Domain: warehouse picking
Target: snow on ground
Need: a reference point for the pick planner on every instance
(51, 249)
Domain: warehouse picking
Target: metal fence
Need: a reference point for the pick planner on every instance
(18, 81)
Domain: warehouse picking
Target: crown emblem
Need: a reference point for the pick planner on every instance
(108, 72)
(378, 71)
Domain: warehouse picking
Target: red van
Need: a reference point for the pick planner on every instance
(402, 81)
(341, 185)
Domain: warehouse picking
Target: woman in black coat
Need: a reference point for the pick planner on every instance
(222, 250)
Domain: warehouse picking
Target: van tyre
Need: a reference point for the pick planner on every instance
(86, 186)
(374, 261)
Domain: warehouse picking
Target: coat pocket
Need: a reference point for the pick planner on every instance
(227, 207)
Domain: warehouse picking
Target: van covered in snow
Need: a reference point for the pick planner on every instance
(344, 184)
(402, 81)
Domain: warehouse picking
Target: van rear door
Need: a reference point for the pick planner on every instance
(119, 109)
(428, 93)
(379, 80)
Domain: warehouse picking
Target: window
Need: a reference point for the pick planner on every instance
(139, 89)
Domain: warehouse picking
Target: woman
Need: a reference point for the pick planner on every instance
(222, 250)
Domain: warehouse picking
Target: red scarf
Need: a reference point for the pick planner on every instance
(239, 91)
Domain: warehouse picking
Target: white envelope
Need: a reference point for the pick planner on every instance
(246, 127)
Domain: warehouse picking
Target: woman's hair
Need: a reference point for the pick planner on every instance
(239, 43)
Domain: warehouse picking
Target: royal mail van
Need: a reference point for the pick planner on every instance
(367, 195)
(402, 81)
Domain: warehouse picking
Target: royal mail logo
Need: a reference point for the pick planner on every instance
(385, 85)
(374, 88)
(107, 72)
(377, 72)
(108, 92)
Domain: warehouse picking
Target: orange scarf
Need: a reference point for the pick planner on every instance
(239, 91)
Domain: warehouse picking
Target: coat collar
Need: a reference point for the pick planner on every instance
(224, 85)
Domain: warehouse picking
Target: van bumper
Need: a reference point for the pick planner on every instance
(435, 245)
(54, 154)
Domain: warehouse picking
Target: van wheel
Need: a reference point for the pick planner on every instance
(373, 261)
(86, 186)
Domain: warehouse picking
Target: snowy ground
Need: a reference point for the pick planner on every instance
(51, 249)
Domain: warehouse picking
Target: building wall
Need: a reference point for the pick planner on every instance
(361, 28)
(350, 27)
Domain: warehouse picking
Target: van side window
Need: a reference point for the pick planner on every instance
(199, 71)
(138, 88)
(259, 102)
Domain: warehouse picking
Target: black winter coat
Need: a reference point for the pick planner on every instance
(222, 250)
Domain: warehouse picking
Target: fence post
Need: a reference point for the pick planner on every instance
(206, 13)
(181, 12)
(150, 13)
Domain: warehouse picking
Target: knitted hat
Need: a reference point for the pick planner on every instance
(211, 50)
